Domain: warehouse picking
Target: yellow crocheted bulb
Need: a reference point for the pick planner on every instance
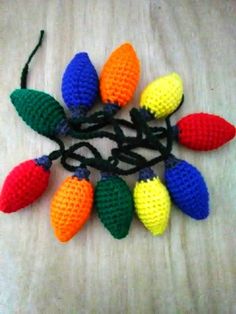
(152, 205)
(162, 96)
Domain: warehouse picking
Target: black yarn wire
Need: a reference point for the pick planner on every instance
(106, 165)
(179, 106)
(152, 139)
(24, 73)
(69, 153)
(170, 137)
(170, 132)
(92, 149)
(135, 118)
(57, 153)
(122, 153)
(164, 151)
(96, 124)
(98, 121)
(92, 135)
(144, 143)
(103, 118)
(96, 117)
(117, 137)
(97, 161)
(107, 120)
(129, 157)
(125, 153)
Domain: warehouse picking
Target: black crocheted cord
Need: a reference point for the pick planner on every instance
(24, 74)
(159, 139)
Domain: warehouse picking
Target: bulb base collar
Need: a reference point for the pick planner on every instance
(44, 161)
(146, 174)
(82, 173)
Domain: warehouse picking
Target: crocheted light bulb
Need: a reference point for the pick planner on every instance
(71, 205)
(187, 188)
(120, 76)
(40, 111)
(203, 131)
(162, 96)
(114, 204)
(152, 202)
(25, 184)
(80, 84)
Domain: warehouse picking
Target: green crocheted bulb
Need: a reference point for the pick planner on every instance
(40, 111)
(114, 203)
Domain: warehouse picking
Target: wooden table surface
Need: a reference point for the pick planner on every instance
(192, 267)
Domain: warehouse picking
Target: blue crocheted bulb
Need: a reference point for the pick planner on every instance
(187, 188)
(80, 84)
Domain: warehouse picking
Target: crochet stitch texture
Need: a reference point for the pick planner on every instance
(203, 131)
(73, 201)
(187, 188)
(80, 82)
(23, 185)
(152, 204)
(114, 204)
(119, 76)
(71, 206)
(40, 111)
(162, 96)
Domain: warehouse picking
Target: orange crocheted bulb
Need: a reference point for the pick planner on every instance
(71, 207)
(120, 76)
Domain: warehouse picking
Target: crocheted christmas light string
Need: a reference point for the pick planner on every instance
(72, 203)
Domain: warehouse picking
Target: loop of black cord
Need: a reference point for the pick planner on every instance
(123, 153)
(57, 153)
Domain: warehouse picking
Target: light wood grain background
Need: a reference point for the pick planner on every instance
(192, 268)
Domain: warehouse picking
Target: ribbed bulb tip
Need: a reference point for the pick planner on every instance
(171, 162)
(82, 173)
(146, 174)
(44, 161)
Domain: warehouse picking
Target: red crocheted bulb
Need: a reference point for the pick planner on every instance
(23, 185)
(203, 131)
